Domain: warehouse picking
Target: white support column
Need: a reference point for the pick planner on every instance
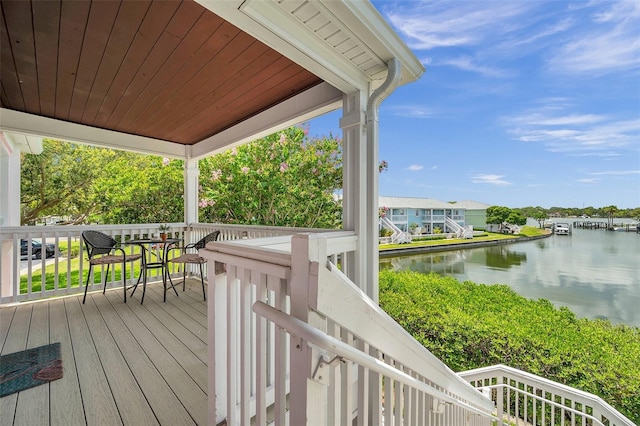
(9, 206)
(355, 190)
(191, 183)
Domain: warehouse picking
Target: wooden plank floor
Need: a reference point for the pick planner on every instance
(123, 363)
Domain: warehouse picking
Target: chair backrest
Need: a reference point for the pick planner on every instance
(203, 242)
(97, 243)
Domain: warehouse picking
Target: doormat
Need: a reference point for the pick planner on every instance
(32, 367)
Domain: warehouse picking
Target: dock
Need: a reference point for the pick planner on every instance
(624, 227)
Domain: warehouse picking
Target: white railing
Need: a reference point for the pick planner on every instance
(359, 364)
(248, 359)
(521, 396)
(399, 236)
(65, 273)
(460, 231)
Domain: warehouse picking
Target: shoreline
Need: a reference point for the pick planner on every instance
(454, 246)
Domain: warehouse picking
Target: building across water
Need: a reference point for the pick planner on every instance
(425, 215)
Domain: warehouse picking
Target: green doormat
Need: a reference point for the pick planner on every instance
(26, 369)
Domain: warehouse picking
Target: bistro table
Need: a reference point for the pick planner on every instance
(160, 251)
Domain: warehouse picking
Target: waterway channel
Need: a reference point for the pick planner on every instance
(595, 273)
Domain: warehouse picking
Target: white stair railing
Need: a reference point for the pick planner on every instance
(460, 231)
(351, 361)
(249, 363)
(522, 396)
(399, 236)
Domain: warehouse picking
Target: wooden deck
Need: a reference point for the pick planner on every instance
(125, 364)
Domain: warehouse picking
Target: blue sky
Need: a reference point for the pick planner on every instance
(523, 103)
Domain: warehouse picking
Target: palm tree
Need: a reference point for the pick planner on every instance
(610, 211)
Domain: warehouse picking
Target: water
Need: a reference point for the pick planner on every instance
(595, 273)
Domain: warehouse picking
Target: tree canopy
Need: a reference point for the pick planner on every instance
(285, 179)
(500, 215)
(91, 184)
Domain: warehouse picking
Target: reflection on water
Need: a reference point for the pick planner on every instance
(595, 273)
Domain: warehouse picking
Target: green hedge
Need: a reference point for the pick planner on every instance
(470, 325)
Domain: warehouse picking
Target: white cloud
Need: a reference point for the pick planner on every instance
(563, 120)
(610, 44)
(438, 24)
(411, 111)
(575, 133)
(590, 38)
(617, 172)
(416, 167)
(467, 63)
(490, 179)
(588, 180)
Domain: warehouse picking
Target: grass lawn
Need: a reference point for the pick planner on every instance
(527, 231)
(71, 268)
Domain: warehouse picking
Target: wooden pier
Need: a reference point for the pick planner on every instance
(625, 227)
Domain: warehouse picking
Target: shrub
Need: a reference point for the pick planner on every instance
(470, 325)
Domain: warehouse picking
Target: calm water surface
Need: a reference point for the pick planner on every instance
(595, 273)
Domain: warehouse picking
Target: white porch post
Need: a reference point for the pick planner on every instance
(9, 205)
(356, 194)
(191, 182)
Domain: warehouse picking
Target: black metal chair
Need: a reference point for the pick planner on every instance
(193, 259)
(104, 250)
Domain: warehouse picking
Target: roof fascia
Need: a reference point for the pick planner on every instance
(43, 127)
(313, 102)
(367, 22)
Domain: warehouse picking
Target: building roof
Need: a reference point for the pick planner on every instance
(429, 203)
(471, 205)
(414, 203)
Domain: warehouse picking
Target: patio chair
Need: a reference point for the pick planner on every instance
(191, 258)
(104, 250)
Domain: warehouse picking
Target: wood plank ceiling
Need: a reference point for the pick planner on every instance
(169, 70)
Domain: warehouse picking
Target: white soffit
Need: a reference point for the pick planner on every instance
(348, 37)
(310, 28)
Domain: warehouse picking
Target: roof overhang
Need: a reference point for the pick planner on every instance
(186, 79)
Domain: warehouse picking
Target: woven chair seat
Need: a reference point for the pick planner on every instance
(189, 258)
(114, 258)
(192, 258)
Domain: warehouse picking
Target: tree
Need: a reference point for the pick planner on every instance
(610, 211)
(138, 188)
(92, 184)
(58, 181)
(540, 216)
(285, 179)
(516, 218)
(498, 215)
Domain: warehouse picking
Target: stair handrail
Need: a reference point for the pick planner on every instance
(374, 325)
(399, 236)
(455, 226)
(300, 329)
(500, 373)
